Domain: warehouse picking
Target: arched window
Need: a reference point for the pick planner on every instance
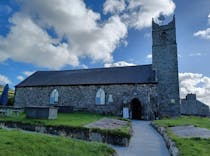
(54, 96)
(100, 97)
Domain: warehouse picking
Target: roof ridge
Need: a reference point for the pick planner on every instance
(102, 68)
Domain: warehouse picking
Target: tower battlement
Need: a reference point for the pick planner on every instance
(170, 25)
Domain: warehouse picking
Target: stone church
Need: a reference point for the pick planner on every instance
(142, 92)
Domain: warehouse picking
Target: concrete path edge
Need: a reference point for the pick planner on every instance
(174, 151)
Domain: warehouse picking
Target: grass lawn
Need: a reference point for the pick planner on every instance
(188, 146)
(76, 119)
(17, 143)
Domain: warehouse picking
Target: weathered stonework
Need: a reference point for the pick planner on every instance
(83, 97)
(171, 145)
(191, 106)
(82, 133)
(165, 63)
(148, 92)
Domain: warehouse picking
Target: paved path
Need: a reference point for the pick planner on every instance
(144, 142)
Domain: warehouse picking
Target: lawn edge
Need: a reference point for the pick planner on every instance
(70, 131)
(171, 145)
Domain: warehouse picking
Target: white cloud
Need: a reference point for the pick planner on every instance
(138, 14)
(114, 6)
(28, 73)
(20, 78)
(86, 35)
(149, 56)
(141, 12)
(4, 80)
(118, 64)
(24, 75)
(204, 34)
(196, 84)
(195, 54)
(84, 66)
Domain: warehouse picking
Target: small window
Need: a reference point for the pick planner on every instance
(164, 36)
(110, 99)
(100, 97)
(54, 96)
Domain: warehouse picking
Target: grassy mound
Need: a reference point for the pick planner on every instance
(188, 146)
(26, 144)
(76, 119)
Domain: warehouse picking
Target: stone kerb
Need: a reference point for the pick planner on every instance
(174, 151)
(82, 133)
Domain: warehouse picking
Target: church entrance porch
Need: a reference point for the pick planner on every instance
(136, 109)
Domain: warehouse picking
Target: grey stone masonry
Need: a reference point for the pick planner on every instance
(165, 63)
(191, 106)
(82, 97)
(140, 92)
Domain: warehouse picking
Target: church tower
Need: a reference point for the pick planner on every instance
(165, 64)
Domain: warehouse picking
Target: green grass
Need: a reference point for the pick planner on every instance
(76, 119)
(185, 120)
(16, 143)
(188, 146)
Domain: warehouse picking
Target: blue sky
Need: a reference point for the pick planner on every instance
(73, 34)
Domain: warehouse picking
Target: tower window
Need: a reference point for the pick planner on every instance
(163, 36)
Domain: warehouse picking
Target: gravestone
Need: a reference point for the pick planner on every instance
(41, 112)
(4, 95)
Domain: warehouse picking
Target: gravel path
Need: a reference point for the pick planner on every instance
(144, 142)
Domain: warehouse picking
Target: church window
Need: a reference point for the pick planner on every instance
(100, 97)
(110, 98)
(54, 96)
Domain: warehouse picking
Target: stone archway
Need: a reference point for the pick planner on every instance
(136, 109)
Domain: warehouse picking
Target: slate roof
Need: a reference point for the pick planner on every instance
(142, 74)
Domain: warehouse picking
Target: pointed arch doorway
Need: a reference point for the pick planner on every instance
(136, 109)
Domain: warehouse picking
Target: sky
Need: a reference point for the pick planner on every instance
(77, 34)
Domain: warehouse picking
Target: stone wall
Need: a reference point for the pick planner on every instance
(191, 106)
(165, 63)
(83, 97)
(171, 145)
(82, 133)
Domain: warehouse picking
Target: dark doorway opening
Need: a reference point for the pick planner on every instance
(136, 109)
